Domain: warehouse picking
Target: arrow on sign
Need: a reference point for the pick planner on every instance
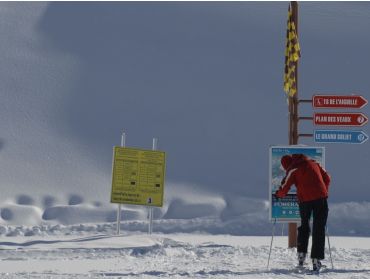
(340, 136)
(342, 119)
(338, 101)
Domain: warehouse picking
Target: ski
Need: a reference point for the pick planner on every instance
(301, 269)
(305, 269)
(322, 269)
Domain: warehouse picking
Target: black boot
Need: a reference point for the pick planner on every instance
(316, 265)
(301, 258)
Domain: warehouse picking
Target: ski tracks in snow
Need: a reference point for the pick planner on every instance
(163, 256)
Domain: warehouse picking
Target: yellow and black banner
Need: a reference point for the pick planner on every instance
(292, 55)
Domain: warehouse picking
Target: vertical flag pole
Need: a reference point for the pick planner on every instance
(293, 123)
(123, 144)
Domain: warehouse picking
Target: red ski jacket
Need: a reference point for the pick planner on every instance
(311, 180)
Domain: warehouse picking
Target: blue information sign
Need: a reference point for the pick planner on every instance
(286, 209)
(340, 136)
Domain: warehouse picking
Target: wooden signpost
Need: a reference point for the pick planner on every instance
(319, 101)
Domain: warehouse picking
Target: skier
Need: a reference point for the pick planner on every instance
(312, 183)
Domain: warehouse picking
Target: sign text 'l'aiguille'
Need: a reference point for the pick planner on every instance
(338, 101)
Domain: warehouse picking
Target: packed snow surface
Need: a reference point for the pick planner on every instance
(93, 254)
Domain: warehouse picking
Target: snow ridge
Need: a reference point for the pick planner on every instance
(24, 216)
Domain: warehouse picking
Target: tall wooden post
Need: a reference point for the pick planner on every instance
(293, 124)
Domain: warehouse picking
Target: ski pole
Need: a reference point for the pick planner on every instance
(331, 259)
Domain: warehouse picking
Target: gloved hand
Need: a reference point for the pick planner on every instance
(279, 193)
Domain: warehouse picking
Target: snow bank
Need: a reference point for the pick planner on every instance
(186, 209)
(350, 218)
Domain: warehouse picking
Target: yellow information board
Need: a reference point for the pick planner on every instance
(138, 176)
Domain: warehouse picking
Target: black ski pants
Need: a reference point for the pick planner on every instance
(320, 210)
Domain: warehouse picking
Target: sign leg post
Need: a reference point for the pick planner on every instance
(150, 208)
(119, 218)
(292, 235)
(150, 230)
(123, 144)
(272, 239)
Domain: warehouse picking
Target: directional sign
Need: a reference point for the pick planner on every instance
(338, 101)
(340, 136)
(340, 119)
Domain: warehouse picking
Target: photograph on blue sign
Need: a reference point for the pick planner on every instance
(286, 209)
